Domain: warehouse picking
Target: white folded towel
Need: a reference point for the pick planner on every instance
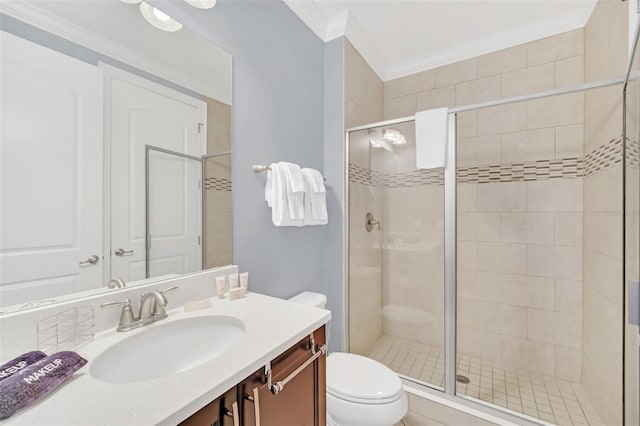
(315, 203)
(295, 189)
(431, 138)
(279, 202)
(268, 188)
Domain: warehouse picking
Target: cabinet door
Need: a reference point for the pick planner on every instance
(230, 415)
(303, 399)
(221, 412)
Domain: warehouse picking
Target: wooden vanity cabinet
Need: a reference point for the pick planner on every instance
(217, 413)
(301, 402)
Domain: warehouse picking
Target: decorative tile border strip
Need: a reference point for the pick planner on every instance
(377, 178)
(217, 184)
(602, 158)
(416, 178)
(633, 154)
(566, 168)
(359, 174)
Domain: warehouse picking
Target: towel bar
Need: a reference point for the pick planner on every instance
(260, 168)
(278, 386)
(263, 168)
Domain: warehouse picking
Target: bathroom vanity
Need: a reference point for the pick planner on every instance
(255, 400)
(229, 386)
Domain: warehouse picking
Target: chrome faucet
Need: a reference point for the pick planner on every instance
(116, 283)
(152, 308)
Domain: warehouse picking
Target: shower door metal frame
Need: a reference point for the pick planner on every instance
(450, 296)
(630, 76)
(450, 257)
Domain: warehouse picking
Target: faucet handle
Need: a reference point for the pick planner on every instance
(126, 302)
(126, 316)
(175, 287)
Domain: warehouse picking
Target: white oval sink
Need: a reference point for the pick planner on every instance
(167, 348)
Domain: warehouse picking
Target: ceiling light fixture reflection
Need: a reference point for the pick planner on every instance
(394, 136)
(374, 144)
(131, 1)
(202, 4)
(158, 18)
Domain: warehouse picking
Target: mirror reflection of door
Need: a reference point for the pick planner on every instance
(174, 214)
(51, 172)
(145, 113)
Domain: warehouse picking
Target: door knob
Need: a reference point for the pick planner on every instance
(122, 252)
(91, 260)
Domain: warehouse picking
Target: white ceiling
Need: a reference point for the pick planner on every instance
(399, 37)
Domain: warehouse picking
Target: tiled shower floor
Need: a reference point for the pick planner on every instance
(544, 397)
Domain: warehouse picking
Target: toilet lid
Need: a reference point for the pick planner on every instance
(356, 378)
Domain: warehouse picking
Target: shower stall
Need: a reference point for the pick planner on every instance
(507, 280)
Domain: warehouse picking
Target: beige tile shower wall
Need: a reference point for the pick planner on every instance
(413, 263)
(520, 274)
(364, 91)
(544, 64)
(605, 57)
(363, 104)
(218, 210)
(519, 243)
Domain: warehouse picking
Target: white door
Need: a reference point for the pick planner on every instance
(50, 173)
(145, 113)
(175, 214)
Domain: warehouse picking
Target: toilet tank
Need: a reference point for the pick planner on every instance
(310, 298)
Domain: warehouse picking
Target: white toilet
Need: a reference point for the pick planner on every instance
(360, 391)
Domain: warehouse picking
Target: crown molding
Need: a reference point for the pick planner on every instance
(46, 21)
(311, 15)
(524, 34)
(345, 25)
(341, 25)
(337, 26)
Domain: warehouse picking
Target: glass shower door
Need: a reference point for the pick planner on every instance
(520, 216)
(396, 255)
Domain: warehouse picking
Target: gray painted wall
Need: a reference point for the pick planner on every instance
(334, 169)
(278, 115)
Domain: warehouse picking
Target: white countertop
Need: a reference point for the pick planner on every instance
(272, 326)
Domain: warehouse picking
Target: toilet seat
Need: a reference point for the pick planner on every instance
(361, 380)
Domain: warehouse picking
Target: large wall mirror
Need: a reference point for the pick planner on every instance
(115, 150)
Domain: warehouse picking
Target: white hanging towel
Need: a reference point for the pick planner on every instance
(268, 189)
(278, 197)
(295, 189)
(315, 203)
(431, 138)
